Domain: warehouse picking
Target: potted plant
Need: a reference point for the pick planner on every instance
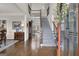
(61, 14)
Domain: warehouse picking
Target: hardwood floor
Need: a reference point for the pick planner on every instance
(21, 49)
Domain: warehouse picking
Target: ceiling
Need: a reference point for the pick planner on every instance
(9, 8)
(38, 6)
(20, 8)
(12, 8)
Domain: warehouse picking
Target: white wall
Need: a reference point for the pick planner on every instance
(40, 6)
(9, 20)
(43, 12)
(26, 20)
(10, 31)
(52, 14)
(22, 16)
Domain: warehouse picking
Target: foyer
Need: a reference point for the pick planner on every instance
(29, 25)
(39, 29)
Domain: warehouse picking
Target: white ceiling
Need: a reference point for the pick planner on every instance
(12, 8)
(20, 8)
(38, 6)
(9, 8)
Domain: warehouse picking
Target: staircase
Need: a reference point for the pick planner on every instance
(48, 35)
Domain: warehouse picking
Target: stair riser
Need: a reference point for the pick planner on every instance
(48, 36)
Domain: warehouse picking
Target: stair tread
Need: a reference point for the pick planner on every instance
(48, 36)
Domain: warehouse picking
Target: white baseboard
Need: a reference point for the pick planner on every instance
(49, 45)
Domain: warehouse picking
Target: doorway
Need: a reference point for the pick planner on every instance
(30, 30)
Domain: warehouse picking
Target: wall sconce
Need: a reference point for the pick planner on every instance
(22, 25)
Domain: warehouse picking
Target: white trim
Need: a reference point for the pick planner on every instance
(47, 45)
(12, 14)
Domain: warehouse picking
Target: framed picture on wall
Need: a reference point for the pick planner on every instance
(16, 24)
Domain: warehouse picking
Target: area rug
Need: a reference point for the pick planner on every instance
(8, 44)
